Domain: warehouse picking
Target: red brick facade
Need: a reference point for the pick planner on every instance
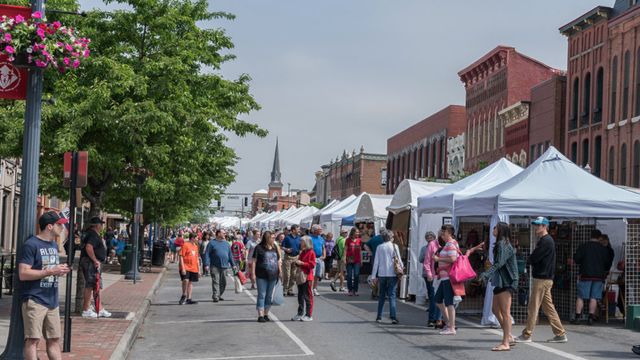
(547, 116)
(497, 80)
(603, 92)
(516, 132)
(421, 150)
(356, 173)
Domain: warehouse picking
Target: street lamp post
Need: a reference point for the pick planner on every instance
(28, 194)
(133, 273)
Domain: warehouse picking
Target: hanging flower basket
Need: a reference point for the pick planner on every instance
(26, 42)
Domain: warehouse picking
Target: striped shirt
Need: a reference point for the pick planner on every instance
(449, 250)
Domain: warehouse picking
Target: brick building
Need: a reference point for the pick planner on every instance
(547, 116)
(420, 151)
(603, 92)
(497, 80)
(455, 157)
(515, 120)
(351, 174)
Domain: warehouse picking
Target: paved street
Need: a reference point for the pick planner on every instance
(343, 328)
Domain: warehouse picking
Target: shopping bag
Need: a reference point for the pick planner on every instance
(240, 276)
(461, 270)
(237, 285)
(278, 295)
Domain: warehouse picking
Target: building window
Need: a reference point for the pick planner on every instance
(623, 164)
(574, 152)
(533, 154)
(597, 112)
(636, 163)
(625, 85)
(585, 152)
(586, 101)
(597, 155)
(573, 121)
(612, 163)
(614, 89)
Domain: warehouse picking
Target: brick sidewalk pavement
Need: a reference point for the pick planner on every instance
(111, 338)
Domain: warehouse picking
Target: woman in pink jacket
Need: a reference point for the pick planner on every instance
(306, 263)
(429, 272)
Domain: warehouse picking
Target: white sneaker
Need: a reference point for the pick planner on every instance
(104, 313)
(315, 292)
(306, 318)
(89, 314)
(296, 318)
(343, 289)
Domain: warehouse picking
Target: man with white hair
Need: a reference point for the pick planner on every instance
(321, 254)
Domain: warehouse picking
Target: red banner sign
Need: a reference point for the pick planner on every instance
(13, 80)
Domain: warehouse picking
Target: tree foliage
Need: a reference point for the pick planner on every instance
(150, 97)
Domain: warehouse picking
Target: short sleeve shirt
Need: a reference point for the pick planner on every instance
(266, 262)
(40, 255)
(189, 253)
(92, 238)
(318, 245)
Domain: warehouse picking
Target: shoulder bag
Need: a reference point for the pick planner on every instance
(397, 262)
(461, 269)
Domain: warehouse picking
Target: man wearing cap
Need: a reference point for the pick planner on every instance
(38, 270)
(542, 261)
(92, 254)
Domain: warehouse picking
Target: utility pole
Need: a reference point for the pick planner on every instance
(28, 195)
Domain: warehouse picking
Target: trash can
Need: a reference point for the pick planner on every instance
(127, 258)
(157, 258)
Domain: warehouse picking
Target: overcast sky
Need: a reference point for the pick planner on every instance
(334, 75)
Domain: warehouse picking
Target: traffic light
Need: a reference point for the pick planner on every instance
(246, 201)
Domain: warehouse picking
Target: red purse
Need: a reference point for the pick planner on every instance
(242, 277)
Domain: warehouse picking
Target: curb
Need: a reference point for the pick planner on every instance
(128, 338)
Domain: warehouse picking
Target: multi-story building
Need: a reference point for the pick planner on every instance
(351, 174)
(515, 120)
(420, 150)
(455, 157)
(10, 173)
(494, 82)
(603, 91)
(547, 116)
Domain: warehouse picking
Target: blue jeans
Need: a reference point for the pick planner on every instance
(434, 312)
(265, 293)
(353, 277)
(387, 287)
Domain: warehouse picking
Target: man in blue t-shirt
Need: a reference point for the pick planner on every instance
(321, 254)
(371, 247)
(291, 248)
(38, 270)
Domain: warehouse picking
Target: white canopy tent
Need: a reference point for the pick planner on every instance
(280, 223)
(253, 222)
(264, 222)
(296, 219)
(552, 186)
(332, 219)
(274, 221)
(307, 221)
(443, 201)
(373, 208)
(406, 199)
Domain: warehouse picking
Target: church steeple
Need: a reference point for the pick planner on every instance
(276, 181)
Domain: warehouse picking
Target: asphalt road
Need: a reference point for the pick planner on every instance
(343, 328)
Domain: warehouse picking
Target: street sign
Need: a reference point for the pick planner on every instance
(13, 80)
(83, 160)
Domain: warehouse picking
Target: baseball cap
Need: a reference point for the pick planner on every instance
(540, 220)
(95, 221)
(51, 217)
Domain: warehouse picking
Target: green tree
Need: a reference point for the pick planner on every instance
(148, 98)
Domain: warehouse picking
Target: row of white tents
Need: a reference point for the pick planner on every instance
(552, 186)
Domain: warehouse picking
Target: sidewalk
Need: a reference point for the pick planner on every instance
(101, 338)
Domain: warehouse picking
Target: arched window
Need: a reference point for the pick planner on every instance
(586, 101)
(623, 164)
(614, 89)
(585, 152)
(574, 152)
(636, 164)
(597, 155)
(612, 164)
(573, 122)
(625, 85)
(597, 112)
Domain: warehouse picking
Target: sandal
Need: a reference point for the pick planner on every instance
(501, 348)
(512, 341)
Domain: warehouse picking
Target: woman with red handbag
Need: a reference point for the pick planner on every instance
(504, 277)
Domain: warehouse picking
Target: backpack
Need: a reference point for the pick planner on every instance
(335, 252)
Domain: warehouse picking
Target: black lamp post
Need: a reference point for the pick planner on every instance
(141, 177)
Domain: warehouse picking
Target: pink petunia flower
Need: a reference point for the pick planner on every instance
(19, 19)
(40, 63)
(68, 47)
(37, 15)
(86, 53)
(76, 63)
(9, 49)
(7, 37)
(57, 25)
(40, 33)
(67, 61)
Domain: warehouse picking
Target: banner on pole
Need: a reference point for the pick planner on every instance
(13, 79)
